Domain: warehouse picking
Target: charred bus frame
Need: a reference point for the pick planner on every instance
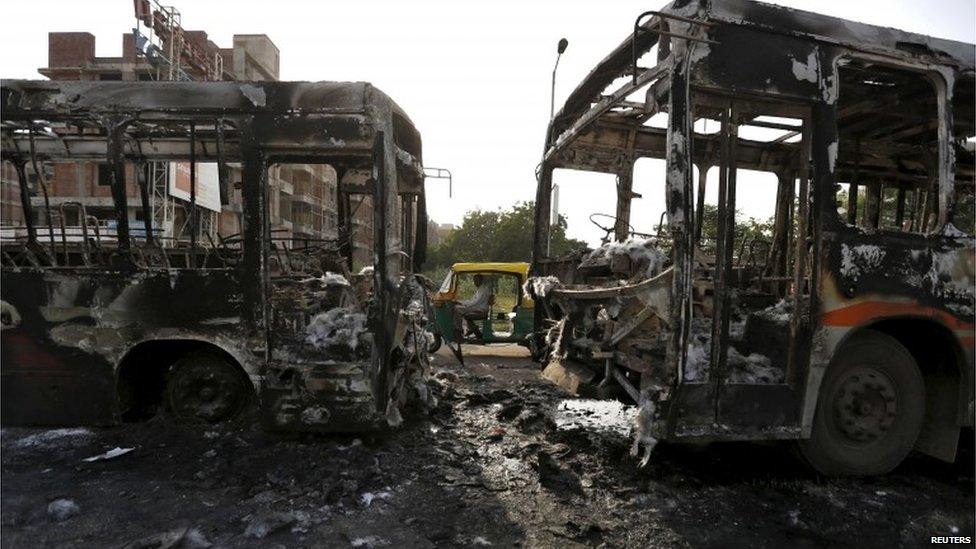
(850, 102)
(93, 329)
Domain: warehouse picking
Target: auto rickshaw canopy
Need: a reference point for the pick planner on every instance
(519, 268)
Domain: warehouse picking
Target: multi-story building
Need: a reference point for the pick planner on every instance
(437, 232)
(11, 212)
(303, 198)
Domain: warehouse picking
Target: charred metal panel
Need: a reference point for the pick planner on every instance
(321, 119)
(937, 271)
(76, 311)
(75, 327)
(852, 34)
(854, 120)
(747, 60)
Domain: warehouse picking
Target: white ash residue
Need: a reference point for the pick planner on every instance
(754, 368)
(780, 312)
(554, 339)
(699, 348)
(367, 270)
(62, 509)
(416, 342)
(952, 232)
(605, 416)
(645, 257)
(53, 437)
(948, 278)
(699, 51)
(860, 259)
(369, 541)
(342, 326)
(539, 286)
(416, 308)
(367, 498)
(417, 339)
(751, 368)
(330, 279)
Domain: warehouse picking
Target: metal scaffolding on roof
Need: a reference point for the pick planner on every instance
(159, 37)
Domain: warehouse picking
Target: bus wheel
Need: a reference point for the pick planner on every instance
(869, 411)
(204, 387)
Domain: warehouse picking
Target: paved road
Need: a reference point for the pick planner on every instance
(504, 459)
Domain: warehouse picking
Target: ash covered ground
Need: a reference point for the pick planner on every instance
(503, 461)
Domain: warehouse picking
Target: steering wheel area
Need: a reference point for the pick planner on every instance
(608, 230)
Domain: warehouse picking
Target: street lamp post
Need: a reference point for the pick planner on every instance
(563, 43)
(554, 214)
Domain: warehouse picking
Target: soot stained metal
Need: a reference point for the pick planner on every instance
(738, 334)
(99, 329)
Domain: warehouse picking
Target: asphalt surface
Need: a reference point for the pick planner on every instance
(503, 460)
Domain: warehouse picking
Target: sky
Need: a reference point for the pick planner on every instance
(473, 77)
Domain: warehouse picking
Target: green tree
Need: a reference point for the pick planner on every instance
(748, 232)
(503, 235)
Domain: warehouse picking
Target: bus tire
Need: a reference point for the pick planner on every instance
(205, 387)
(869, 410)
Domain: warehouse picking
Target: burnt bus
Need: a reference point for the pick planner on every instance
(115, 317)
(846, 322)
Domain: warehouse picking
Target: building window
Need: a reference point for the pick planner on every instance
(110, 76)
(104, 175)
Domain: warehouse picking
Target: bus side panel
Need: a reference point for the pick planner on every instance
(65, 332)
(44, 383)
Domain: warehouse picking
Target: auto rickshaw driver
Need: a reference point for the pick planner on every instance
(474, 308)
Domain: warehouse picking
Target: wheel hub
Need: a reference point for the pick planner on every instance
(865, 405)
(205, 392)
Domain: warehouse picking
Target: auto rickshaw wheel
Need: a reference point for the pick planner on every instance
(434, 343)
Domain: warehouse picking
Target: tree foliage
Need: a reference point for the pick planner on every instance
(502, 235)
(506, 235)
(749, 232)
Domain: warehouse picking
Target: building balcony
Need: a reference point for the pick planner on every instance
(88, 201)
(305, 198)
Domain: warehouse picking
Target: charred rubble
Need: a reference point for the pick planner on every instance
(614, 321)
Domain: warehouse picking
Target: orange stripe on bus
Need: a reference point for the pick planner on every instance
(858, 314)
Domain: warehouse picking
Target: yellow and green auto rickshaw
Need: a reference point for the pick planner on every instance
(508, 318)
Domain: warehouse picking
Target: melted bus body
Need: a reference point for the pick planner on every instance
(106, 321)
(846, 320)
